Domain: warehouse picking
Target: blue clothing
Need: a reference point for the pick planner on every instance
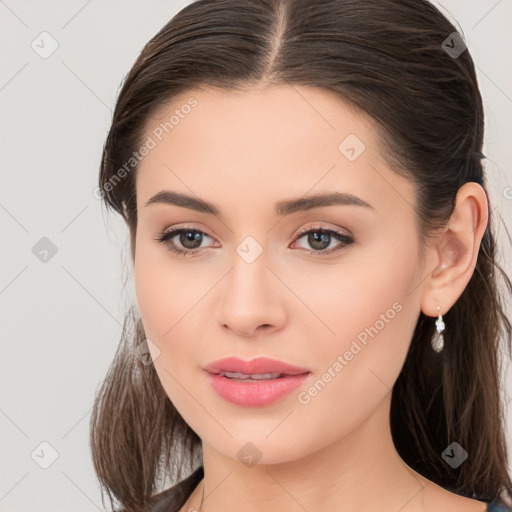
(496, 507)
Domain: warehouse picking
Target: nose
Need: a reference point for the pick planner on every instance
(251, 299)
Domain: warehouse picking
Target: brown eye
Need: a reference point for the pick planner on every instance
(190, 239)
(319, 239)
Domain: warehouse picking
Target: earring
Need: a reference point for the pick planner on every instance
(438, 339)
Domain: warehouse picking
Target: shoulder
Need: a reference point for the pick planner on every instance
(500, 503)
(498, 506)
(491, 505)
(440, 498)
(172, 499)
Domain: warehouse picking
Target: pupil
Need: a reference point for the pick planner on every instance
(317, 239)
(190, 237)
(318, 242)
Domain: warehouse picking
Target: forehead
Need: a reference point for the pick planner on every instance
(243, 148)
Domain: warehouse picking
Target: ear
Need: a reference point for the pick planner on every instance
(455, 251)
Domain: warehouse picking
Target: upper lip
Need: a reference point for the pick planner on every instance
(256, 366)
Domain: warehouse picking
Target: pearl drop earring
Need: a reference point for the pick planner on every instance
(438, 339)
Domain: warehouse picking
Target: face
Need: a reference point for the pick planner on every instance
(331, 288)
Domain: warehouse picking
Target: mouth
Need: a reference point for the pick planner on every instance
(261, 368)
(254, 383)
(257, 377)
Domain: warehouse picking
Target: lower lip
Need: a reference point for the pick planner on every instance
(255, 394)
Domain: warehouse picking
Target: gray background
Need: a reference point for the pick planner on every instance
(61, 319)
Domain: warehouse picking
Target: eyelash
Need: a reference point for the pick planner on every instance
(166, 237)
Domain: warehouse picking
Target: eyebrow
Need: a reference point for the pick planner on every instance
(282, 208)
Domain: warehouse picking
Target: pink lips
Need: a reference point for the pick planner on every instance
(254, 392)
(254, 366)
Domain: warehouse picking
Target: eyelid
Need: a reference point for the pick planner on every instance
(317, 225)
(344, 239)
(175, 230)
(324, 227)
(185, 228)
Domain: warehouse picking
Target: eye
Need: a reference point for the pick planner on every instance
(189, 238)
(320, 238)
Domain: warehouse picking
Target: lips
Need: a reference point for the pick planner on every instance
(256, 383)
(257, 368)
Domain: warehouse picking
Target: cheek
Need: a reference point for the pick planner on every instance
(373, 319)
(367, 312)
(163, 300)
(169, 300)
(163, 291)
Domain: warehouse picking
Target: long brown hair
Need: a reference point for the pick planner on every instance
(395, 60)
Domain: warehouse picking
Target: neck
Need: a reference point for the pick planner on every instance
(361, 471)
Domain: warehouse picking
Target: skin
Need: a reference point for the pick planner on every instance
(244, 151)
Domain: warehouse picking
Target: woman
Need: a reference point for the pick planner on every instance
(318, 322)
